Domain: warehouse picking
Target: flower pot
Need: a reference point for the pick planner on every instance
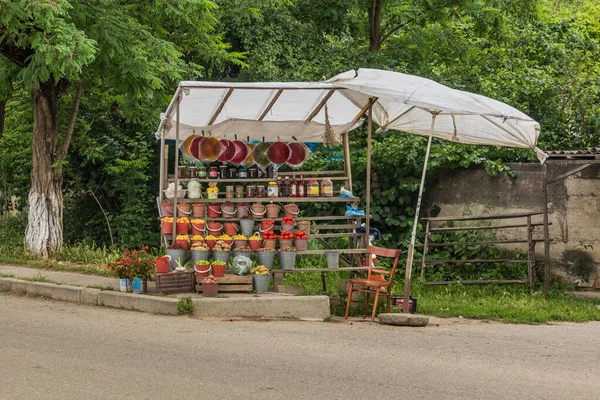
(287, 259)
(214, 211)
(301, 244)
(228, 210)
(140, 285)
(258, 210)
(178, 257)
(183, 228)
(125, 285)
(200, 255)
(247, 226)
(303, 227)
(221, 256)
(273, 210)
(198, 229)
(242, 210)
(162, 265)
(166, 209)
(199, 210)
(202, 270)
(218, 271)
(254, 244)
(291, 210)
(261, 283)
(269, 243)
(210, 289)
(266, 258)
(287, 228)
(333, 258)
(231, 228)
(210, 243)
(239, 243)
(285, 243)
(184, 210)
(215, 228)
(167, 228)
(183, 243)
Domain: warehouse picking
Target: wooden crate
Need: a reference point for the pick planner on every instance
(175, 282)
(229, 283)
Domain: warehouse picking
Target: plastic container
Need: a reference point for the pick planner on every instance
(326, 188)
(312, 188)
(213, 191)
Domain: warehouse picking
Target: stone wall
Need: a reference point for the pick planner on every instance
(574, 203)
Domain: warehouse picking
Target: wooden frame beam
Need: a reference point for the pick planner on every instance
(321, 105)
(220, 108)
(271, 103)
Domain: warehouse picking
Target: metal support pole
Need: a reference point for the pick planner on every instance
(425, 248)
(161, 186)
(176, 172)
(411, 246)
(368, 187)
(546, 235)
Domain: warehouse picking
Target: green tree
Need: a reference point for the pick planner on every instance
(127, 44)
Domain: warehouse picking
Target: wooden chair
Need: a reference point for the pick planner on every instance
(375, 281)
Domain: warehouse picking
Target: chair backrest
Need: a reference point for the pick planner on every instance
(382, 252)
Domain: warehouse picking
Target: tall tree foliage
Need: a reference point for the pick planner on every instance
(55, 44)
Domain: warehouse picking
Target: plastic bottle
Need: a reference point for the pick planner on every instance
(312, 188)
(326, 188)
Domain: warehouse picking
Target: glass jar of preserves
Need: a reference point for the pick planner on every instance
(229, 192)
(223, 173)
(326, 188)
(272, 190)
(193, 172)
(260, 191)
(202, 172)
(312, 189)
(243, 173)
(213, 173)
(212, 192)
(253, 172)
(239, 191)
(233, 173)
(251, 191)
(181, 173)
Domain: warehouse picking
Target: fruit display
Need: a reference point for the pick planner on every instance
(266, 249)
(300, 235)
(269, 235)
(200, 246)
(287, 248)
(287, 220)
(286, 235)
(202, 268)
(226, 238)
(198, 222)
(260, 270)
(255, 237)
(183, 237)
(168, 220)
(182, 220)
(240, 237)
(210, 237)
(244, 249)
(197, 238)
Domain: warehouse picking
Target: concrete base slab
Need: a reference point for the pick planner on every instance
(403, 319)
(314, 308)
(152, 304)
(294, 290)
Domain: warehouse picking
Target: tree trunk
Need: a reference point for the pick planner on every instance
(44, 233)
(2, 116)
(375, 7)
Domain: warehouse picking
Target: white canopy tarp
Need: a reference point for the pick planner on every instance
(406, 102)
(269, 111)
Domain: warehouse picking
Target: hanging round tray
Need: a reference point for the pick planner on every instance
(195, 147)
(187, 143)
(249, 160)
(278, 153)
(261, 157)
(227, 150)
(210, 148)
(298, 154)
(241, 152)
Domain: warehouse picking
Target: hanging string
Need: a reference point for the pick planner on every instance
(329, 137)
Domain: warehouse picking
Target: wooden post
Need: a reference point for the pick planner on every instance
(530, 254)
(546, 235)
(425, 249)
(176, 172)
(368, 186)
(161, 183)
(411, 246)
(347, 165)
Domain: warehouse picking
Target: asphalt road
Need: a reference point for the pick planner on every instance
(54, 350)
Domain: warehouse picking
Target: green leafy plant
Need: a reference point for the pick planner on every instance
(185, 305)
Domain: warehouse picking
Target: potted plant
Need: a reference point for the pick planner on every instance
(210, 286)
(183, 226)
(287, 257)
(218, 268)
(266, 257)
(162, 264)
(142, 267)
(167, 225)
(121, 268)
(255, 242)
(261, 277)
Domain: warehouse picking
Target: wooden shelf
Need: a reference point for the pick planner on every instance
(320, 269)
(274, 200)
(245, 180)
(258, 220)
